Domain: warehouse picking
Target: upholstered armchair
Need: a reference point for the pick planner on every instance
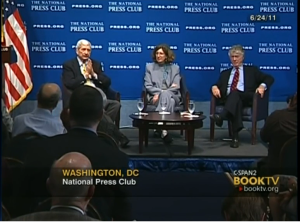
(111, 94)
(256, 111)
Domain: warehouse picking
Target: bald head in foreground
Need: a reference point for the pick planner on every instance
(69, 202)
(41, 120)
(48, 96)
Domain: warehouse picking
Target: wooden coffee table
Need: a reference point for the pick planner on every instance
(171, 121)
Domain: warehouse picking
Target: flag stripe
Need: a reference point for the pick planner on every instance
(18, 80)
(19, 25)
(10, 27)
(19, 20)
(21, 63)
(6, 101)
(14, 93)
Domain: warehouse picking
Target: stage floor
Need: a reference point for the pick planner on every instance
(203, 146)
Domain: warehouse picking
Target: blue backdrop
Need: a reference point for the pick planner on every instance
(123, 35)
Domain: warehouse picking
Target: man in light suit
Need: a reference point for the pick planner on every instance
(162, 82)
(68, 202)
(236, 87)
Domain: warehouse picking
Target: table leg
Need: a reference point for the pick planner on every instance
(141, 139)
(191, 137)
(146, 136)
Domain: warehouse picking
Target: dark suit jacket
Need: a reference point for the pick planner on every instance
(280, 126)
(253, 77)
(73, 78)
(55, 215)
(110, 201)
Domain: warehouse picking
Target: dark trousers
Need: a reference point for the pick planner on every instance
(234, 103)
(106, 125)
(112, 109)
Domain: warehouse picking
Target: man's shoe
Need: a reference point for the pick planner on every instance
(218, 120)
(124, 142)
(234, 143)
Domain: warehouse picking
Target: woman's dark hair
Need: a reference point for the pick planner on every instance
(170, 56)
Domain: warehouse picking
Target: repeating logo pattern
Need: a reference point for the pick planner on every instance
(124, 34)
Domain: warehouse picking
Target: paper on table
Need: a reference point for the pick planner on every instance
(189, 116)
(141, 114)
(164, 113)
(186, 114)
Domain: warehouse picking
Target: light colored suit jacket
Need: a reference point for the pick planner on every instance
(153, 80)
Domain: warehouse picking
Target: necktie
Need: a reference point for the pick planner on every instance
(88, 81)
(235, 79)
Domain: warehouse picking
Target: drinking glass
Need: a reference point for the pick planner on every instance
(191, 107)
(163, 105)
(140, 105)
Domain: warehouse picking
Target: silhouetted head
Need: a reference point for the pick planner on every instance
(244, 206)
(85, 107)
(48, 96)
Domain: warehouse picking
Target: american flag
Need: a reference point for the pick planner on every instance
(18, 82)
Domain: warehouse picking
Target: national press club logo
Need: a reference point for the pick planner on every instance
(199, 48)
(48, 47)
(237, 27)
(129, 7)
(47, 6)
(162, 27)
(89, 26)
(124, 47)
(200, 7)
(275, 48)
(280, 7)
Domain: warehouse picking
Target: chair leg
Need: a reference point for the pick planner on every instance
(230, 129)
(253, 133)
(117, 121)
(212, 130)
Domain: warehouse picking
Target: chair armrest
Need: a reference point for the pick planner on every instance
(144, 98)
(186, 100)
(113, 95)
(260, 106)
(212, 105)
(185, 94)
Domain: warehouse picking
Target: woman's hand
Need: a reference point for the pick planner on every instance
(155, 98)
